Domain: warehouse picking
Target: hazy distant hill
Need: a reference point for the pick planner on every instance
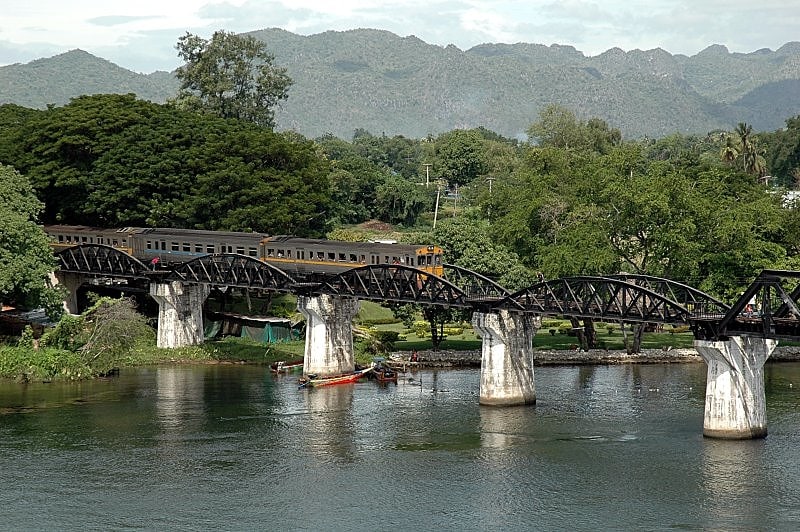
(384, 83)
(57, 79)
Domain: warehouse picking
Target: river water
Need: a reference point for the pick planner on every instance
(235, 448)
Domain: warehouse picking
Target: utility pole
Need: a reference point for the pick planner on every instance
(490, 179)
(427, 174)
(436, 209)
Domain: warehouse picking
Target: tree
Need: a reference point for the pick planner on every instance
(460, 156)
(230, 76)
(26, 259)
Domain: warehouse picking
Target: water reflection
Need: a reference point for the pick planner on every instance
(179, 398)
(329, 429)
(504, 427)
(733, 476)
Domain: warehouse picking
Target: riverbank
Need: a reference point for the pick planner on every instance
(549, 357)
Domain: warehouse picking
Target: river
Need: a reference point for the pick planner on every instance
(235, 448)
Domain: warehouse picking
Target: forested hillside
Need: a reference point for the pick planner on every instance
(382, 83)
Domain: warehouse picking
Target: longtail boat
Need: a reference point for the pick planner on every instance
(283, 366)
(385, 374)
(315, 382)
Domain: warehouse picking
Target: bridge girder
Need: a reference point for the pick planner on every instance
(395, 283)
(100, 260)
(597, 298)
(694, 300)
(235, 270)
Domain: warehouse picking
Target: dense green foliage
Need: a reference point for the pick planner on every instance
(112, 160)
(25, 257)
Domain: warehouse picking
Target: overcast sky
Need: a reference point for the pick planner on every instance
(141, 34)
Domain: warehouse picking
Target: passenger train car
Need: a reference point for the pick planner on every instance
(299, 257)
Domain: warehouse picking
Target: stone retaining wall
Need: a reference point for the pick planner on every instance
(448, 358)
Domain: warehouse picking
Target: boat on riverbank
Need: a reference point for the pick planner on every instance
(283, 366)
(312, 381)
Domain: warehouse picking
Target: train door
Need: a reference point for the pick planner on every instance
(300, 258)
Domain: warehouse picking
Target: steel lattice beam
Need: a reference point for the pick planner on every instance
(396, 283)
(100, 260)
(240, 271)
(597, 298)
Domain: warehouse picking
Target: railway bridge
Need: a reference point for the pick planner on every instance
(734, 340)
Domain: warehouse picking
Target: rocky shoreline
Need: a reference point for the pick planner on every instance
(544, 357)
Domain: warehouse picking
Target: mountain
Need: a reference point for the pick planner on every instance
(57, 79)
(383, 83)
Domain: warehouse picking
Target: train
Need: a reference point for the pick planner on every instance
(301, 258)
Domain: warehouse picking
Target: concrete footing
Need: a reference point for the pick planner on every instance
(180, 313)
(506, 357)
(329, 334)
(735, 400)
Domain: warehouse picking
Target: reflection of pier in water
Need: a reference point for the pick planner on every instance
(331, 427)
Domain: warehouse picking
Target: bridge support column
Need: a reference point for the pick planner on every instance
(180, 313)
(71, 282)
(506, 357)
(735, 400)
(329, 334)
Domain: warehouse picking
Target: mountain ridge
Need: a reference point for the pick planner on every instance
(387, 84)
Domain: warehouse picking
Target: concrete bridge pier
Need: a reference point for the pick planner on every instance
(180, 313)
(506, 357)
(71, 282)
(735, 400)
(329, 334)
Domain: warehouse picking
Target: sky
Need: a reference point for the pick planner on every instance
(140, 35)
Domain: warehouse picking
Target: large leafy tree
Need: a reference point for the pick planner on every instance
(230, 76)
(26, 259)
(112, 160)
(460, 156)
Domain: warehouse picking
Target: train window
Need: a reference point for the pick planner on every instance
(270, 253)
(353, 257)
(148, 244)
(411, 261)
(187, 247)
(331, 256)
(60, 238)
(240, 250)
(363, 259)
(230, 249)
(124, 242)
(91, 240)
(320, 255)
(198, 248)
(100, 240)
(386, 259)
(210, 249)
(342, 257)
(301, 255)
(438, 259)
(163, 245)
(83, 239)
(115, 242)
(174, 246)
(253, 252)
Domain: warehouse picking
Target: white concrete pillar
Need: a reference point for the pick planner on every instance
(329, 334)
(71, 282)
(506, 357)
(735, 402)
(180, 312)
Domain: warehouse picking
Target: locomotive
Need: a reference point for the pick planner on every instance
(298, 257)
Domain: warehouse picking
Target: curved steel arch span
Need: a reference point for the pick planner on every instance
(694, 300)
(100, 260)
(473, 284)
(231, 269)
(395, 283)
(596, 297)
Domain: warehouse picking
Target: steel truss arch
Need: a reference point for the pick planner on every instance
(100, 260)
(475, 286)
(395, 283)
(696, 301)
(232, 269)
(598, 298)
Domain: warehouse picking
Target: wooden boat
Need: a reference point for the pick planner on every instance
(315, 382)
(283, 366)
(385, 374)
